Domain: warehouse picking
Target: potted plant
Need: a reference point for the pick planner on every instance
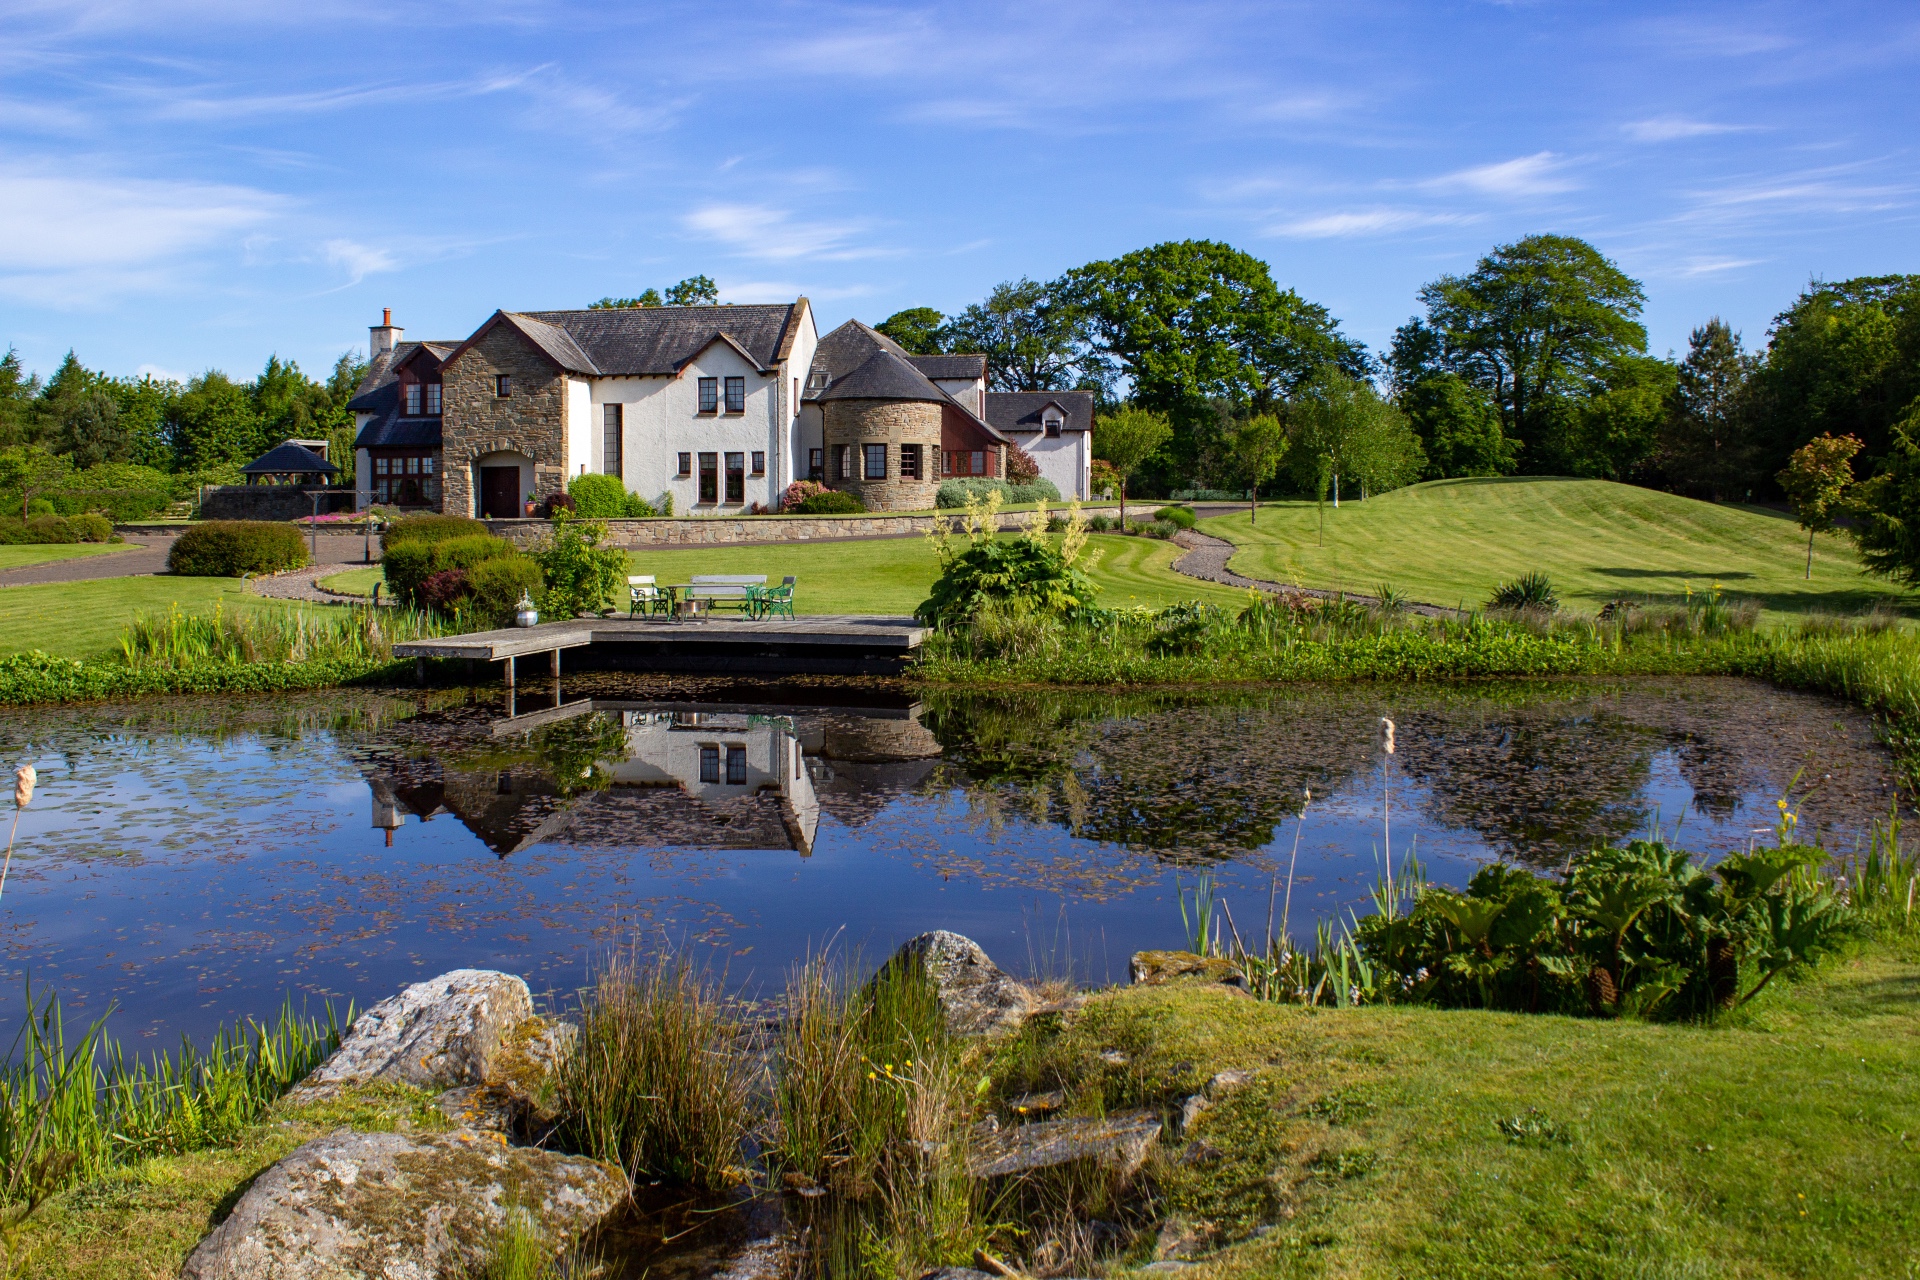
(530, 506)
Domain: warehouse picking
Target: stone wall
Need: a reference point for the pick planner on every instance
(271, 502)
(475, 421)
(719, 531)
(893, 423)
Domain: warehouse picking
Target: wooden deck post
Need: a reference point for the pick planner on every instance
(419, 670)
(509, 671)
(556, 664)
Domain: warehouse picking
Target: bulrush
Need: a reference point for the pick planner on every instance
(23, 779)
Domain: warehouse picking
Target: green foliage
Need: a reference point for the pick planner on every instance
(1182, 516)
(952, 495)
(1127, 440)
(1030, 573)
(409, 562)
(49, 528)
(1339, 429)
(600, 497)
(1615, 429)
(648, 298)
(1706, 444)
(1528, 591)
(829, 502)
(496, 586)
(694, 291)
(582, 576)
(1255, 449)
(1029, 335)
(1459, 428)
(179, 641)
(920, 331)
(429, 528)
(229, 548)
(1886, 509)
(651, 1084)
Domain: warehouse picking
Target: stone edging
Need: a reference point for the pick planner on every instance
(304, 584)
(1207, 557)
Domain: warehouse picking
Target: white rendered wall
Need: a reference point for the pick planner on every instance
(362, 479)
(970, 392)
(662, 419)
(583, 451)
(1065, 459)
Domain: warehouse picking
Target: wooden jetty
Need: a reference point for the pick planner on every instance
(833, 644)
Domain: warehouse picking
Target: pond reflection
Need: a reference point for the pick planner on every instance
(196, 860)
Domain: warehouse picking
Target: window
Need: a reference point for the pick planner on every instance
(737, 766)
(816, 464)
(413, 399)
(380, 466)
(759, 463)
(433, 399)
(406, 477)
(909, 462)
(843, 461)
(503, 385)
(709, 394)
(686, 464)
(736, 395)
(876, 461)
(736, 477)
(964, 462)
(709, 477)
(1052, 421)
(426, 465)
(413, 466)
(709, 764)
(611, 416)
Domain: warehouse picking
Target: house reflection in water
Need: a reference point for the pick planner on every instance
(684, 777)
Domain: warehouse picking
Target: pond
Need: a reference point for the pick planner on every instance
(195, 861)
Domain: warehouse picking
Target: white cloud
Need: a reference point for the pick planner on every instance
(1693, 268)
(1671, 128)
(1363, 222)
(787, 291)
(50, 221)
(159, 374)
(1536, 175)
(756, 231)
(359, 260)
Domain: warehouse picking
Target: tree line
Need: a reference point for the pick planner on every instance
(1533, 363)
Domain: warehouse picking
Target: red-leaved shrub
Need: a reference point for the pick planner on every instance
(444, 589)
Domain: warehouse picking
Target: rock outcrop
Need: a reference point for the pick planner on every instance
(437, 1034)
(395, 1206)
(978, 996)
(1119, 1142)
(1166, 968)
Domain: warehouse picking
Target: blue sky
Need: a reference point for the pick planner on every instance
(194, 184)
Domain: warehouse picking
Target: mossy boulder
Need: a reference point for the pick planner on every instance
(437, 1034)
(1169, 968)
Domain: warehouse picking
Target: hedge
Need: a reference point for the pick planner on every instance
(229, 548)
(953, 494)
(55, 529)
(496, 586)
(830, 503)
(411, 563)
(606, 498)
(430, 528)
(40, 677)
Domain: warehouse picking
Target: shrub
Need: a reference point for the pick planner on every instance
(605, 498)
(1100, 524)
(953, 494)
(638, 508)
(496, 586)
(1529, 591)
(410, 564)
(1031, 571)
(1182, 516)
(831, 503)
(1021, 467)
(405, 566)
(557, 502)
(91, 526)
(799, 491)
(429, 528)
(582, 576)
(443, 589)
(229, 548)
(464, 553)
(40, 507)
(55, 529)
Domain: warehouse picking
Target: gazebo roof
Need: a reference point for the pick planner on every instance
(289, 459)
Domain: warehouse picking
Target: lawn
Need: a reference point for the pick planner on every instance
(84, 619)
(357, 582)
(892, 575)
(18, 555)
(1451, 542)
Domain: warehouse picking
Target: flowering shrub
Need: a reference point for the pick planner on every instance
(1031, 572)
(799, 491)
(1021, 467)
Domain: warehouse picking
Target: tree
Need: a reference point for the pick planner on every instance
(694, 291)
(1125, 440)
(91, 431)
(1256, 447)
(1459, 428)
(1615, 429)
(30, 470)
(1021, 466)
(1537, 323)
(1844, 359)
(919, 330)
(1703, 441)
(1031, 342)
(18, 391)
(212, 422)
(1191, 321)
(1339, 426)
(1816, 479)
(1886, 509)
(647, 298)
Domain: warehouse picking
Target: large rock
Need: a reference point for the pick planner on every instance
(978, 996)
(389, 1206)
(437, 1034)
(1119, 1142)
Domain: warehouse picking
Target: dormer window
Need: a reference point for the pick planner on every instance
(818, 379)
(433, 399)
(413, 399)
(1053, 422)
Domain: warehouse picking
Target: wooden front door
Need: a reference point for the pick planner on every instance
(500, 493)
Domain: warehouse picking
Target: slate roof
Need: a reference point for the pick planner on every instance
(1019, 411)
(857, 361)
(287, 459)
(381, 372)
(659, 341)
(951, 366)
(391, 431)
(884, 376)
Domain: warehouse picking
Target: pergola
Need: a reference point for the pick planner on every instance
(290, 463)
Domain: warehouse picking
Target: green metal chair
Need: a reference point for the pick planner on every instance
(778, 599)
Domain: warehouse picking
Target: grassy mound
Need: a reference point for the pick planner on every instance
(1450, 542)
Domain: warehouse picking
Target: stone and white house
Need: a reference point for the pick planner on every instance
(719, 407)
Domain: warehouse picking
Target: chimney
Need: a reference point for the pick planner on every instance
(385, 336)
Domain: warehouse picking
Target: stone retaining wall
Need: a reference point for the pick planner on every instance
(717, 531)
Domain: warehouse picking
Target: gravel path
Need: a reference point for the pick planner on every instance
(149, 555)
(1207, 557)
(304, 584)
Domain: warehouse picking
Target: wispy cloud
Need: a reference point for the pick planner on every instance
(1673, 128)
(757, 231)
(787, 290)
(1694, 268)
(1832, 190)
(359, 260)
(1363, 222)
(1539, 174)
(213, 104)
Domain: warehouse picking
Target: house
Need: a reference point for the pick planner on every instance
(1056, 430)
(717, 408)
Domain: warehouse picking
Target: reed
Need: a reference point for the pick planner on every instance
(657, 1082)
(179, 641)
